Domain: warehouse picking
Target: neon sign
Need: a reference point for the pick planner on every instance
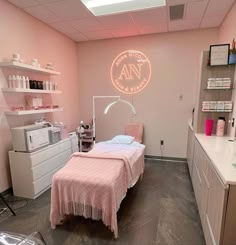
(130, 71)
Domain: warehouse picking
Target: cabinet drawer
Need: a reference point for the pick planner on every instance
(208, 233)
(52, 151)
(75, 149)
(43, 183)
(204, 200)
(203, 163)
(215, 212)
(196, 180)
(202, 160)
(47, 166)
(74, 141)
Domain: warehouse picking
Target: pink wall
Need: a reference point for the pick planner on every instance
(175, 59)
(32, 39)
(227, 31)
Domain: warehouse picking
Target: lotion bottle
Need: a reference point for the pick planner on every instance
(220, 128)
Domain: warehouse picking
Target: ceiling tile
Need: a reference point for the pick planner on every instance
(41, 13)
(218, 7)
(99, 35)
(157, 28)
(180, 25)
(149, 17)
(115, 21)
(78, 37)
(176, 2)
(87, 25)
(73, 19)
(125, 32)
(47, 1)
(68, 9)
(212, 21)
(64, 27)
(24, 3)
(195, 10)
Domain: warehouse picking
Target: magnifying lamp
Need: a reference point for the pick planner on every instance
(118, 99)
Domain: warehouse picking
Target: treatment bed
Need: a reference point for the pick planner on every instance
(94, 184)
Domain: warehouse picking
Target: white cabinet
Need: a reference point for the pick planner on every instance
(211, 195)
(190, 148)
(32, 173)
(215, 211)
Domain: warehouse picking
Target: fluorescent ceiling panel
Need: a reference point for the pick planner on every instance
(106, 7)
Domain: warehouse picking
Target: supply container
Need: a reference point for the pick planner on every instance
(219, 82)
(220, 128)
(211, 83)
(209, 126)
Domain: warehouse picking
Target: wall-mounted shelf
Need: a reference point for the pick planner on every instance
(227, 65)
(25, 90)
(218, 88)
(29, 112)
(208, 93)
(218, 111)
(22, 66)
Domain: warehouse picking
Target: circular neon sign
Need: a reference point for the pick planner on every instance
(130, 71)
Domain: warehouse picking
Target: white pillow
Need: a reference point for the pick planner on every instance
(122, 139)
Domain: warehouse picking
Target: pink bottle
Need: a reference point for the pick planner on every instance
(208, 126)
(220, 128)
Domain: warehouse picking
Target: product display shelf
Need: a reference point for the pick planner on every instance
(218, 94)
(218, 88)
(29, 112)
(217, 111)
(25, 90)
(22, 66)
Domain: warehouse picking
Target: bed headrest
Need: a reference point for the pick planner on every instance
(135, 130)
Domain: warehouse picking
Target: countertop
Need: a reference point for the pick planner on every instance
(222, 154)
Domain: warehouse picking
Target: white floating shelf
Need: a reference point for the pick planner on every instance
(23, 66)
(217, 111)
(24, 90)
(28, 112)
(219, 88)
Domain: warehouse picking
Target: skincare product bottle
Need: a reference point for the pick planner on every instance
(220, 128)
(27, 82)
(23, 82)
(18, 81)
(14, 81)
(10, 81)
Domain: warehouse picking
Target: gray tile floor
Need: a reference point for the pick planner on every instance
(159, 210)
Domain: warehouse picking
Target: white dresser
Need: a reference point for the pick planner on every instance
(32, 173)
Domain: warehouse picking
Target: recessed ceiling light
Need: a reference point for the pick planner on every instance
(105, 7)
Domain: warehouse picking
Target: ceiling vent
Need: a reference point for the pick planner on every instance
(176, 12)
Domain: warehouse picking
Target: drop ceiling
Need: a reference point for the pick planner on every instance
(74, 20)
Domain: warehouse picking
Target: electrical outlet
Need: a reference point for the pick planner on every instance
(162, 142)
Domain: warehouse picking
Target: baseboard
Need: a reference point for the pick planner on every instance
(171, 159)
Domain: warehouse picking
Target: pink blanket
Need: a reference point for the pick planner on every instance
(93, 184)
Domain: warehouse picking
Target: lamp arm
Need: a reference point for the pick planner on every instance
(129, 104)
(94, 112)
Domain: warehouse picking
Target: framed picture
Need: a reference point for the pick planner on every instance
(219, 54)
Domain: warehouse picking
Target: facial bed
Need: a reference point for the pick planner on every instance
(94, 184)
